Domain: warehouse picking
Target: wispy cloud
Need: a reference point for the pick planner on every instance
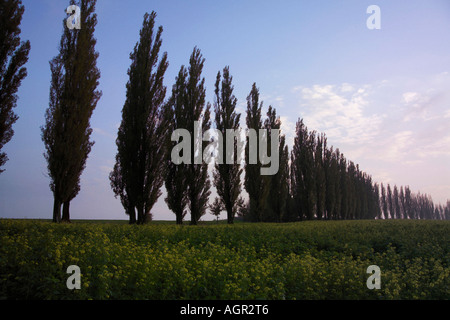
(102, 132)
(288, 129)
(372, 123)
(341, 111)
(423, 106)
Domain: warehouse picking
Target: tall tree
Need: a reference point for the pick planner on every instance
(302, 171)
(278, 183)
(384, 204)
(73, 98)
(447, 211)
(176, 178)
(139, 172)
(390, 202)
(376, 204)
(409, 204)
(227, 176)
(397, 203)
(13, 56)
(186, 110)
(331, 180)
(338, 185)
(199, 183)
(352, 196)
(403, 203)
(320, 177)
(344, 188)
(254, 182)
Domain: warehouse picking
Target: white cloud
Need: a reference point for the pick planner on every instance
(398, 146)
(409, 97)
(288, 129)
(341, 111)
(346, 87)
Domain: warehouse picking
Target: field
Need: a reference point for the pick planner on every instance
(305, 260)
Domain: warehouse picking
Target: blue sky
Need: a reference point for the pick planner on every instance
(381, 96)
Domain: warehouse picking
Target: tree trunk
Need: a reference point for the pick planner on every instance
(229, 209)
(132, 214)
(193, 220)
(179, 218)
(56, 211)
(66, 212)
(148, 217)
(230, 216)
(140, 215)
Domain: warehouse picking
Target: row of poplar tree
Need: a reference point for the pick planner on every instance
(313, 180)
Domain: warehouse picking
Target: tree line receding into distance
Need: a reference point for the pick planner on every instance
(314, 180)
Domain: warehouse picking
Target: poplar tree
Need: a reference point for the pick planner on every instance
(376, 200)
(189, 183)
(227, 176)
(331, 181)
(73, 98)
(403, 203)
(397, 203)
(199, 184)
(13, 57)
(344, 187)
(277, 183)
(384, 204)
(254, 182)
(447, 211)
(337, 187)
(409, 204)
(302, 171)
(139, 171)
(390, 202)
(319, 173)
(176, 177)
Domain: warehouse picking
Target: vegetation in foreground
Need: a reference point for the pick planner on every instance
(306, 260)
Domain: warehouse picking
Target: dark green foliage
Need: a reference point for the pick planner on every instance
(188, 183)
(279, 187)
(277, 184)
(176, 178)
(139, 172)
(13, 57)
(396, 196)
(320, 178)
(384, 204)
(73, 98)
(331, 183)
(302, 172)
(198, 181)
(255, 184)
(227, 176)
(390, 202)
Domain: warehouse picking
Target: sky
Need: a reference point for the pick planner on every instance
(382, 96)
